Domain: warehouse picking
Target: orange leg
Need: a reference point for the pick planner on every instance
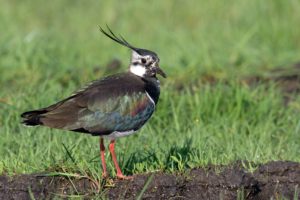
(102, 153)
(114, 158)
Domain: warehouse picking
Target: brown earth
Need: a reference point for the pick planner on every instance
(276, 179)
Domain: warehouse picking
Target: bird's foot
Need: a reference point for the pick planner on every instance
(122, 177)
(104, 175)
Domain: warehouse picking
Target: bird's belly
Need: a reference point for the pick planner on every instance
(117, 134)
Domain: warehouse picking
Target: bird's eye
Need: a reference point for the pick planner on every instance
(143, 60)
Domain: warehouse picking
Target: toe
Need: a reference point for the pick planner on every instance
(122, 177)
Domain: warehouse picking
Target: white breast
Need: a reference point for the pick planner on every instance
(117, 134)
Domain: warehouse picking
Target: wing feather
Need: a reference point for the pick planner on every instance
(116, 103)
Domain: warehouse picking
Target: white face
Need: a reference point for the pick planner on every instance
(140, 64)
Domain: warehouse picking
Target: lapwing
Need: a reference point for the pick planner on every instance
(111, 107)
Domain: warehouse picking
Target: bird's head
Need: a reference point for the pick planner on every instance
(143, 63)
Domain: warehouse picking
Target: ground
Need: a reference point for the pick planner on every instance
(276, 179)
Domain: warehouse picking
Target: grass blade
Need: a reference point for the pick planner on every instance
(145, 187)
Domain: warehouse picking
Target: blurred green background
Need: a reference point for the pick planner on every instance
(207, 113)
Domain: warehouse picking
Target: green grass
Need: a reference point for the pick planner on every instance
(48, 50)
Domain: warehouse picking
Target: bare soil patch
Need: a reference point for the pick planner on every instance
(275, 179)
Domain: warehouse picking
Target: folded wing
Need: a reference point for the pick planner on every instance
(99, 109)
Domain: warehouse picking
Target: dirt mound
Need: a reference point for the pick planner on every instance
(35, 186)
(276, 179)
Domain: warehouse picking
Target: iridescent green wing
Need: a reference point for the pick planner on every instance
(124, 113)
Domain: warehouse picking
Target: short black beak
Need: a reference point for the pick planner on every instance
(158, 70)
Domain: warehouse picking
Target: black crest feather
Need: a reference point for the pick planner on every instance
(123, 42)
(117, 39)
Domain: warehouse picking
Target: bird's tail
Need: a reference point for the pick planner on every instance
(32, 118)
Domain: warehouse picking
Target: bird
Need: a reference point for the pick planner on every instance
(112, 107)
